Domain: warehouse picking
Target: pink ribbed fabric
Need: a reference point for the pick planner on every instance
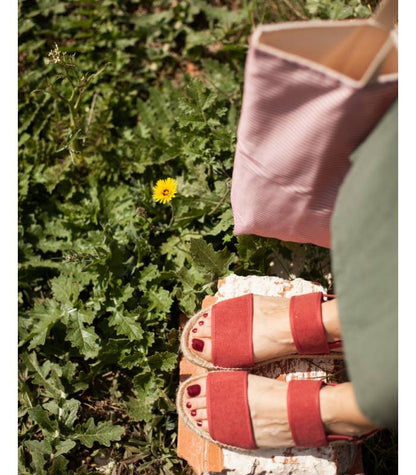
(297, 129)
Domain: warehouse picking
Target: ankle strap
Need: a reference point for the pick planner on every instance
(304, 413)
(305, 419)
(306, 324)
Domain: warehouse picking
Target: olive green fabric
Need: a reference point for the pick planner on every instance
(364, 263)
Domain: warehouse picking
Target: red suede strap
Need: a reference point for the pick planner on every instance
(306, 324)
(304, 413)
(232, 332)
(347, 438)
(229, 420)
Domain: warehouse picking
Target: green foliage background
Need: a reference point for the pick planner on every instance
(139, 91)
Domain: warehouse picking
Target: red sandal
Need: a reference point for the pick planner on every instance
(227, 400)
(232, 327)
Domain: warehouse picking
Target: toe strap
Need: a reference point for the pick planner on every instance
(229, 418)
(232, 332)
(306, 324)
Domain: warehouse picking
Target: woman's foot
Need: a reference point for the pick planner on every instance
(267, 399)
(272, 335)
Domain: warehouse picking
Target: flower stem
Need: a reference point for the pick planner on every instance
(173, 214)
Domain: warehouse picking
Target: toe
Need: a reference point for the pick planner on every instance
(198, 414)
(196, 389)
(201, 346)
(196, 403)
(202, 424)
(201, 331)
(199, 339)
(206, 315)
(202, 326)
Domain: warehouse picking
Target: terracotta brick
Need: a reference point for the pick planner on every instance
(208, 300)
(200, 454)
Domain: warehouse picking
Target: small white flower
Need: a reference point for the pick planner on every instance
(55, 55)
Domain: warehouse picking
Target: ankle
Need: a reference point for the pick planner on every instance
(340, 412)
(330, 320)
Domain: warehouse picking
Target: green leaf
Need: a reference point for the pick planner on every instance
(190, 278)
(148, 274)
(63, 447)
(362, 11)
(225, 223)
(65, 288)
(58, 466)
(217, 262)
(46, 376)
(159, 300)
(22, 469)
(80, 335)
(187, 301)
(340, 12)
(147, 389)
(41, 417)
(175, 250)
(66, 411)
(139, 409)
(165, 361)
(127, 293)
(103, 433)
(44, 315)
(69, 412)
(39, 450)
(125, 325)
(26, 397)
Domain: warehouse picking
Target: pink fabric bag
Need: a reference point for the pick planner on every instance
(313, 91)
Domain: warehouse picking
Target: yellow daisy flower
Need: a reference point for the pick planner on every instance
(164, 190)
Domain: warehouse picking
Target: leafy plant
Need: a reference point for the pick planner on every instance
(337, 9)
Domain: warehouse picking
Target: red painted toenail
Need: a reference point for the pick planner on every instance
(194, 330)
(199, 423)
(201, 322)
(197, 345)
(188, 405)
(193, 413)
(193, 390)
(205, 315)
